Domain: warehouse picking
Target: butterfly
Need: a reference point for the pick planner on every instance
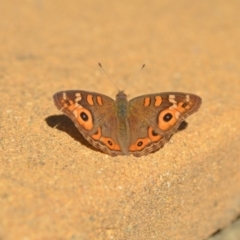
(121, 127)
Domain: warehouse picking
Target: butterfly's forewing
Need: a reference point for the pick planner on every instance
(94, 116)
(154, 118)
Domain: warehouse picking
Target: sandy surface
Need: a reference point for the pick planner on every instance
(53, 185)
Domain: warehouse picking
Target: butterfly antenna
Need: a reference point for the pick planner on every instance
(100, 65)
(137, 74)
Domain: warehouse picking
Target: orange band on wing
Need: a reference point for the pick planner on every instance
(90, 99)
(158, 101)
(97, 135)
(84, 118)
(184, 106)
(167, 118)
(152, 135)
(147, 101)
(110, 143)
(99, 101)
(68, 104)
(107, 141)
(139, 144)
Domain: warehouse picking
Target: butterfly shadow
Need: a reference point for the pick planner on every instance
(183, 125)
(65, 124)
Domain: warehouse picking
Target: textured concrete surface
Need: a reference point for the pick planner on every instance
(53, 185)
(232, 232)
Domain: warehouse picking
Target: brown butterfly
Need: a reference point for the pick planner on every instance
(139, 126)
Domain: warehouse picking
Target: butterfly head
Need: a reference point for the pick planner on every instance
(121, 95)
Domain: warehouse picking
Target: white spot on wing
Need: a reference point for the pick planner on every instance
(171, 99)
(77, 99)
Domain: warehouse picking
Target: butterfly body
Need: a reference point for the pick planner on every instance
(121, 108)
(121, 127)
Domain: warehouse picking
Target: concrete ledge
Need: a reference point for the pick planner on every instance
(232, 232)
(53, 185)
